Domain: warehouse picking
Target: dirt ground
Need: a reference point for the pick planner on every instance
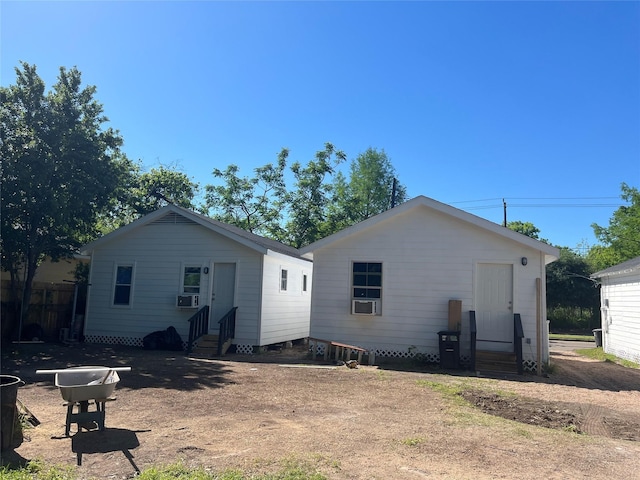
(373, 422)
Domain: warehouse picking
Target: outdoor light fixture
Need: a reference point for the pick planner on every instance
(524, 261)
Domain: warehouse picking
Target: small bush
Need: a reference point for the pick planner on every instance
(572, 319)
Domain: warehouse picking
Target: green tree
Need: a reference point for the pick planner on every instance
(263, 204)
(139, 193)
(526, 228)
(59, 169)
(368, 191)
(309, 201)
(254, 203)
(621, 239)
(572, 297)
(315, 206)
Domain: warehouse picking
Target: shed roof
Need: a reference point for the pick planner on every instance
(248, 239)
(551, 253)
(619, 269)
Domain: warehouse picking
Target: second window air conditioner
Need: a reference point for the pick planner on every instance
(364, 307)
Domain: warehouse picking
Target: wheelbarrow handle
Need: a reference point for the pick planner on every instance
(66, 370)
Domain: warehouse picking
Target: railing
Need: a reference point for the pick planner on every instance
(227, 328)
(474, 333)
(198, 326)
(518, 335)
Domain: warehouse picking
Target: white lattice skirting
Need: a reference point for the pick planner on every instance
(112, 340)
(244, 349)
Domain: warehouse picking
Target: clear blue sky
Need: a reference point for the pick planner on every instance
(534, 102)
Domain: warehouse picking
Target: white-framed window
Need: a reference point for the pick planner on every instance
(123, 284)
(191, 278)
(304, 282)
(284, 274)
(366, 280)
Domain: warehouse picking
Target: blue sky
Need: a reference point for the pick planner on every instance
(534, 102)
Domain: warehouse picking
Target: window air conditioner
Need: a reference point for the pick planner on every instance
(364, 307)
(187, 301)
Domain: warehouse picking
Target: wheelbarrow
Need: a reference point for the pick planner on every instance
(80, 385)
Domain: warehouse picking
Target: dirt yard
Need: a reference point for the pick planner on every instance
(387, 422)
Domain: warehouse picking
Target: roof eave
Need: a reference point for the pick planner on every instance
(551, 253)
(88, 248)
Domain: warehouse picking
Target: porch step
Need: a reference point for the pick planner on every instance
(207, 346)
(496, 362)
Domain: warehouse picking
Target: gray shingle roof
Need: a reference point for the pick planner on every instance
(624, 267)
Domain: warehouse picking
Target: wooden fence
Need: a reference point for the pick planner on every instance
(50, 308)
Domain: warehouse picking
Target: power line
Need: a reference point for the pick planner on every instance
(548, 205)
(564, 198)
(536, 198)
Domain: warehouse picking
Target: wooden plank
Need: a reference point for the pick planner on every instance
(455, 314)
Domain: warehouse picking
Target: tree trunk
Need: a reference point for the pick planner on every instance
(32, 266)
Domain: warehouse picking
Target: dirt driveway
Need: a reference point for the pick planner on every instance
(388, 422)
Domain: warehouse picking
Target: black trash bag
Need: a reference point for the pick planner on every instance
(32, 332)
(168, 339)
(172, 339)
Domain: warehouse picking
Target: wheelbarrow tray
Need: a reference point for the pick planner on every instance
(80, 384)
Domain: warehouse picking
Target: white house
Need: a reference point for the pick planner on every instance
(385, 283)
(161, 269)
(620, 309)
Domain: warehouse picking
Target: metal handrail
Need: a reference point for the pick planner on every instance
(198, 326)
(518, 335)
(227, 328)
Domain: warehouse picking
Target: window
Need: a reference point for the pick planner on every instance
(304, 283)
(123, 283)
(283, 280)
(367, 280)
(191, 280)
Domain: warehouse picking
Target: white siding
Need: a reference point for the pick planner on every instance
(427, 259)
(159, 251)
(285, 314)
(621, 315)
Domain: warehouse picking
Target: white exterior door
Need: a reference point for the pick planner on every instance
(223, 295)
(494, 307)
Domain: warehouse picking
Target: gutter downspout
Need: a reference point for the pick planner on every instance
(540, 333)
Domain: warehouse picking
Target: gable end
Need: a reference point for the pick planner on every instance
(173, 219)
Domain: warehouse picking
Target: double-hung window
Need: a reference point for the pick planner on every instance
(191, 279)
(284, 274)
(367, 280)
(123, 285)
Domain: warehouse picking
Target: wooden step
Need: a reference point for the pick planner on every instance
(500, 362)
(208, 341)
(207, 346)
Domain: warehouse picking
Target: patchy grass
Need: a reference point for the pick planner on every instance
(448, 390)
(598, 354)
(568, 336)
(413, 441)
(291, 470)
(37, 470)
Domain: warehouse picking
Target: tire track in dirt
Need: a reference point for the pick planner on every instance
(593, 420)
(597, 419)
(592, 374)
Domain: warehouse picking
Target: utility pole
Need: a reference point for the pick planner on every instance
(504, 209)
(393, 193)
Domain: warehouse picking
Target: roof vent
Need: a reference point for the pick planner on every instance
(172, 218)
